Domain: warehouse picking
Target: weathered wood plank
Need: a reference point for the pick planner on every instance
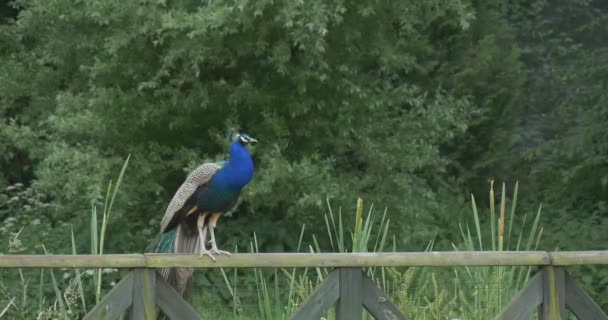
(571, 258)
(279, 260)
(73, 261)
(144, 291)
(553, 306)
(172, 303)
(580, 303)
(350, 302)
(323, 298)
(115, 302)
(299, 260)
(335, 260)
(378, 304)
(525, 301)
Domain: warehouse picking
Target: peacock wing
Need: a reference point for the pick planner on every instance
(199, 176)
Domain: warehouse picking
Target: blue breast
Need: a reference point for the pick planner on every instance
(222, 191)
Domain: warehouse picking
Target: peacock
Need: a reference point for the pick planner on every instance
(208, 192)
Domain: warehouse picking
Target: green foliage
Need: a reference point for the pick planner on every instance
(24, 209)
(472, 292)
(422, 293)
(70, 292)
(332, 90)
(562, 136)
(279, 294)
(407, 103)
(500, 283)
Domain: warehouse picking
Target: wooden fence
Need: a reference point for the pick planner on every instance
(347, 288)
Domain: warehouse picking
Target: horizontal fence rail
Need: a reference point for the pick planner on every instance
(299, 260)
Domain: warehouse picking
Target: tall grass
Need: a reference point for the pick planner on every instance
(70, 299)
(421, 293)
(281, 291)
(473, 292)
(98, 243)
(505, 281)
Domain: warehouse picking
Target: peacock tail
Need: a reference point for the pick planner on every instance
(162, 243)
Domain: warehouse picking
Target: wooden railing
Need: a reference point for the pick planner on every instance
(302, 260)
(549, 292)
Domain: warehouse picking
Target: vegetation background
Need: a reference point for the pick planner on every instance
(411, 105)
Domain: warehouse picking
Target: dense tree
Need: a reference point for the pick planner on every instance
(408, 104)
(338, 93)
(560, 135)
(559, 141)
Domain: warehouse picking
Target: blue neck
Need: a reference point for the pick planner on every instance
(237, 172)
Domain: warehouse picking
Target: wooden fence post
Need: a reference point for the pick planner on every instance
(378, 304)
(580, 303)
(553, 306)
(350, 303)
(115, 302)
(172, 303)
(350, 290)
(144, 294)
(525, 301)
(143, 290)
(551, 291)
(321, 300)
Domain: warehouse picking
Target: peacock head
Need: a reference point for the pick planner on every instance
(242, 138)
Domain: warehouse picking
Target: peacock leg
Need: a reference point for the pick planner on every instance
(202, 236)
(211, 226)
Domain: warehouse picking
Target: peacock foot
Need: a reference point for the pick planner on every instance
(208, 253)
(218, 252)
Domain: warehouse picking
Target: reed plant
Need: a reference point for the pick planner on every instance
(281, 291)
(70, 293)
(473, 292)
(421, 293)
(485, 291)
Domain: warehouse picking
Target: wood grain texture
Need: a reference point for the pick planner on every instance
(335, 260)
(350, 302)
(525, 301)
(553, 306)
(172, 303)
(572, 258)
(73, 261)
(323, 298)
(115, 302)
(302, 260)
(580, 303)
(378, 304)
(144, 294)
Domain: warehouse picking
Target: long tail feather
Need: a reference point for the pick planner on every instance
(162, 243)
(178, 240)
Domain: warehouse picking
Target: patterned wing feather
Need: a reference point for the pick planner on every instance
(200, 175)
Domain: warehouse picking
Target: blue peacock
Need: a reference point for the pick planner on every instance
(208, 192)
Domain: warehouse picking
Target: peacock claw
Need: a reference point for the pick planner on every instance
(218, 252)
(208, 254)
(215, 250)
